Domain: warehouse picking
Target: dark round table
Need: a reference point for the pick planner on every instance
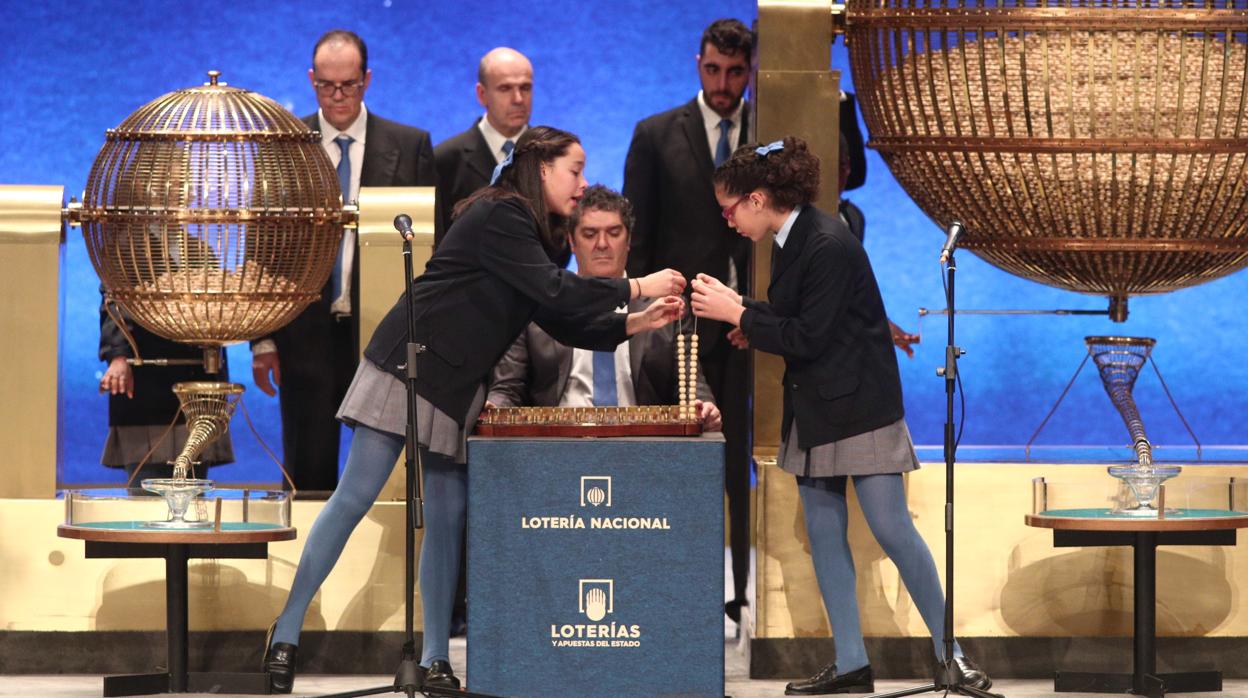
(1101, 527)
(130, 539)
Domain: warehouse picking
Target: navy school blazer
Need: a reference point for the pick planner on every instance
(825, 317)
(489, 278)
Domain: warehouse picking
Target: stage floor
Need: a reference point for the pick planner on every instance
(738, 684)
(736, 675)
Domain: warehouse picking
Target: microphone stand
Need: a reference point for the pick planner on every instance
(409, 679)
(948, 677)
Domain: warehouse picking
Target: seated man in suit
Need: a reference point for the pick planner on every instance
(538, 371)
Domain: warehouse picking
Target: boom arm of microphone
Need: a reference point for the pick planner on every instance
(403, 224)
(951, 240)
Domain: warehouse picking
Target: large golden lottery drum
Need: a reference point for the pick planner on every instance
(212, 215)
(1096, 146)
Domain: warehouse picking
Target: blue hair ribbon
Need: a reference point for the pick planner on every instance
(498, 169)
(764, 150)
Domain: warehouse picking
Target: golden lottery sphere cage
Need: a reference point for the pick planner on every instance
(1099, 146)
(213, 215)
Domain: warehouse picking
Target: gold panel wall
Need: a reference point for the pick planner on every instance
(1014, 583)
(381, 264)
(31, 235)
(795, 94)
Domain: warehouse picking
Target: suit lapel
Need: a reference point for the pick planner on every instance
(381, 156)
(792, 250)
(478, 156)
(564, 353)
(695, 132)
(637, 345)
(743, 136)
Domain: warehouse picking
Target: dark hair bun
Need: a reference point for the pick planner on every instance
(790, 174)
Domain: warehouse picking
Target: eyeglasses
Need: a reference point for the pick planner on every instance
(326, 88)
(728, 211)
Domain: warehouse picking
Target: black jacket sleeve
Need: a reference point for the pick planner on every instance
(596, 332)
(112, 341)
(511, 251)
(639, 183)
(824, 297)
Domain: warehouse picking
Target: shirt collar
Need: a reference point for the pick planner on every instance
(783, 233)
(356, 130)
(712, 118)
(494, 139)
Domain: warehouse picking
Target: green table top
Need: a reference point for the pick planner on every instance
(142, 526)
(1106, 514)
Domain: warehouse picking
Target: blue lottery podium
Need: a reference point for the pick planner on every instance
(596, 566)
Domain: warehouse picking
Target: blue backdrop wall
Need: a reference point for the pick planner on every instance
(74, 69)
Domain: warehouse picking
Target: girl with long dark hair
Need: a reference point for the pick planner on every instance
(493, 273)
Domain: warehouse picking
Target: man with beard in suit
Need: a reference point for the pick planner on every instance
(539, 371)
(313, 359)
(667, 177)
(465, 161)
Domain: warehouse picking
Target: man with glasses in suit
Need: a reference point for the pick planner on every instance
(312, 360)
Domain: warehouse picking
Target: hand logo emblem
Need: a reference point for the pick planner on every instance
(596, 604)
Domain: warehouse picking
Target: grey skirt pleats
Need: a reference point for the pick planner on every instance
(378, 400)
(877, 452)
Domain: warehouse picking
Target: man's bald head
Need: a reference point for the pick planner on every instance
(505, 89)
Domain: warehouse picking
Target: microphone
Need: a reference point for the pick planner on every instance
(403, 224)
(951, 242)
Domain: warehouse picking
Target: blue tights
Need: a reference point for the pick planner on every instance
(372, 457)
(883, 501)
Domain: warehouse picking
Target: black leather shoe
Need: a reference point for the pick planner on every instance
(279, 664)
(441, 675)
(827, 681)
(972, 675)
(732, 609)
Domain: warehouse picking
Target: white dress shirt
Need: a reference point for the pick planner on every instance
(495, 140)
(579, 392)
(711, 119)
(358, 130)
(783, 233)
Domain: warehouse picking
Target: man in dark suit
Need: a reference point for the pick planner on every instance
(313, 358)
(466, 161)
(539, 371)
(667, 177)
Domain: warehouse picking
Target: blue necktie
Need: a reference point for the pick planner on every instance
(344, 181)
(604, 379)
(508, 146)
(723, 151)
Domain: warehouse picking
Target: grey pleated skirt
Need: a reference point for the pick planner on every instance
(881, 451)
(378, 400)
(127, 445)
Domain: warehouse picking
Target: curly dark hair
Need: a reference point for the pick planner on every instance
(602, 198)
(730, 36)
(790, 175)
(522, 181)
